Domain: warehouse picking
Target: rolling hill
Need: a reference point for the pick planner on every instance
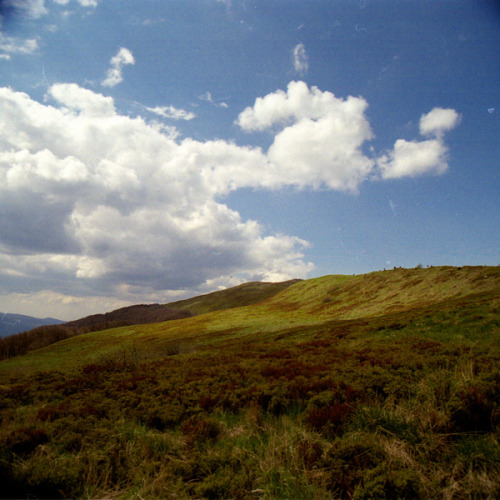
(41, 335)
(384, 385)
(241, 295)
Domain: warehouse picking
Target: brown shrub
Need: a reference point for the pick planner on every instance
(25, 440)
(328, 419)
(200, 429)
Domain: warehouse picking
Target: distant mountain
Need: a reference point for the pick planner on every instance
(16, 323)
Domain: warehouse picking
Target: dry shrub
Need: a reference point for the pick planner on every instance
(475, 411)
(200, 429)
(328, 419)
(25, 440)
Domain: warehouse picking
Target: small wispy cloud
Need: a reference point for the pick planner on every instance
(88, 3)
(207, 97)
(300, 59)
(14, 45)
(30, 8)
(172, 113)
(83, 3)
(114, 74)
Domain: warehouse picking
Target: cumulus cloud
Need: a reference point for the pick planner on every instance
(414, 158)
(438, 121)
(79, 99)
(300, 59)
(321, 138)
(114, 74)
(104, 204)
(95, 203)
(172, 113)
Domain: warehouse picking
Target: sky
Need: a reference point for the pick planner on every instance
(156, 150)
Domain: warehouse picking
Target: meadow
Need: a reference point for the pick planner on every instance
(384, 385)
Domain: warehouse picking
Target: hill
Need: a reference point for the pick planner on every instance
(11, 324)
(131, 315)
(242, 295)
(41, 336)
(385, 385)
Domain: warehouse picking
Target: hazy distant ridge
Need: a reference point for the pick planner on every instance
(16, 323)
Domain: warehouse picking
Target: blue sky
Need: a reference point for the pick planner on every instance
(154, 150)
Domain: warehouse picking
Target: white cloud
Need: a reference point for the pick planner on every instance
(298, 103)
(438, 121)
(411, 159)
(322, 136)
(88, 3)
(414, 158)
(172, 113)
(97, 201)
(83, 3)
(14, 45)
(300, 59)
(82, 100)
(32, 8)
(58, 305)
(114, 74)
(207, 96)
(102, 204)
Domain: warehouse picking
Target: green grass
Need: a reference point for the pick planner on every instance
(385, 385)
(238, 296)
(314, 302)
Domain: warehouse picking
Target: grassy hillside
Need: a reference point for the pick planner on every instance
(42, 336)
(385, 385)
(242, 295)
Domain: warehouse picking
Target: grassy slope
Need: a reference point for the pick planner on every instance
(242, 295)
(312, 302)
(238, 296)
(384, 385)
